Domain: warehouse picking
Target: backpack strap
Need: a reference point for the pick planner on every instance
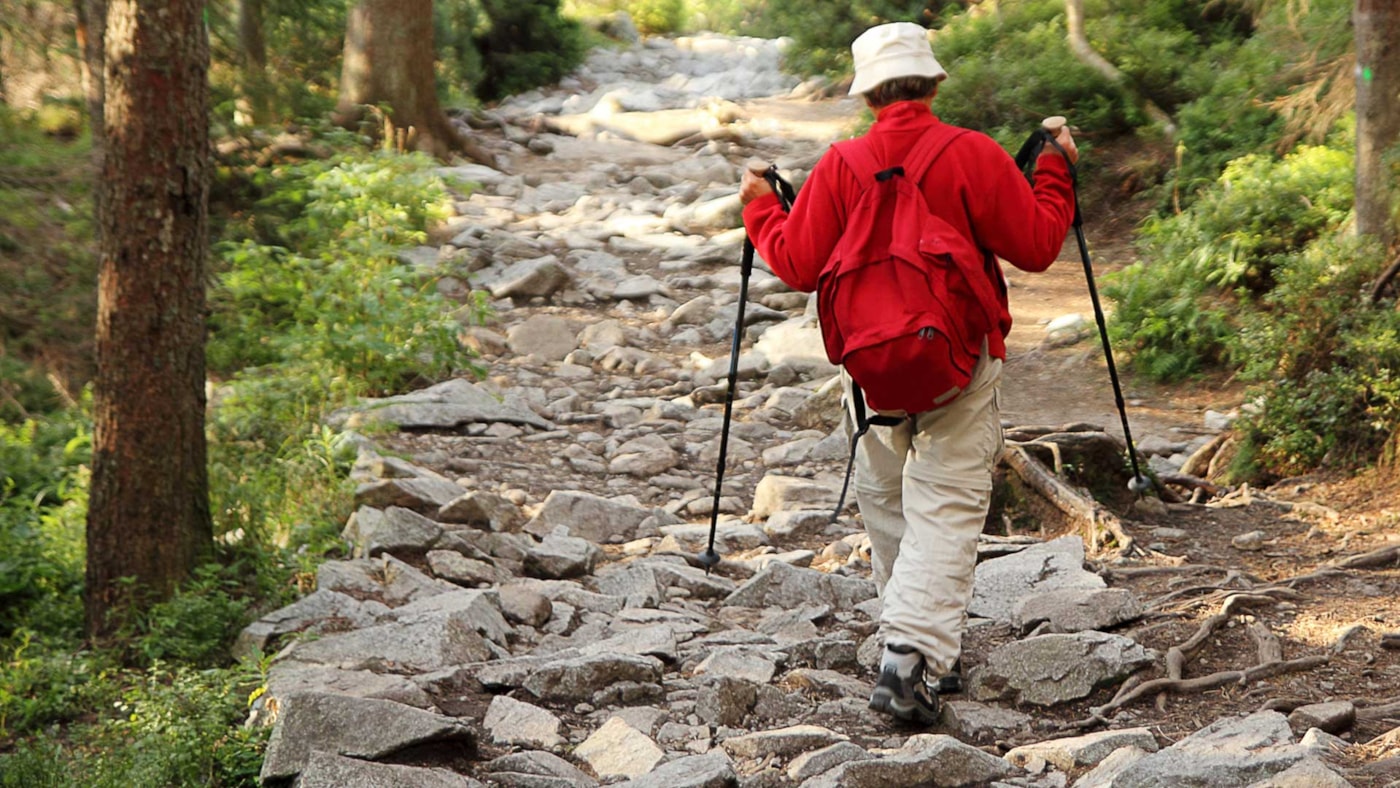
(927, 148)
(863, 425)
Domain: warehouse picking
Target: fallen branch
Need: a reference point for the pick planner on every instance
(1191, 482)
(1101, 526)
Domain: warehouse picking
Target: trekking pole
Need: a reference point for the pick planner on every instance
(1025, 159)
(709, 558)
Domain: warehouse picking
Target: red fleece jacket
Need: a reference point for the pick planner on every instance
(974, 186)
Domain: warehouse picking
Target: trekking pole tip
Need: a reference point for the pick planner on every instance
(709, 559)
(1139, 484)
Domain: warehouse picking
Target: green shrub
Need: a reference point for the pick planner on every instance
(43, 503)
(1326, 361)
(822, 33)
(1007, 72)
(733, 17)
(316, 307)
(172, 726)
(1204, 268)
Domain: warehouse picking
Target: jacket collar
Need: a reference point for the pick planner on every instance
(904, 115)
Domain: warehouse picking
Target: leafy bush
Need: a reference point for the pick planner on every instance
(1179, 308)
(822, 32)
(43, 502)
(1007, 72)
(173, 726)
(1327, 362)
(315, 306)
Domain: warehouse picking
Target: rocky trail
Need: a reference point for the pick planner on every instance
(520, 604)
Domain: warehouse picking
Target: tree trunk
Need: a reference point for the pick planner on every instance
(148, 514)
(1377, 28)
(389, 61)
(254, 106)
(1079, 45)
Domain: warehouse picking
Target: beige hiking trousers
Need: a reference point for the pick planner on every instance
(923, 488)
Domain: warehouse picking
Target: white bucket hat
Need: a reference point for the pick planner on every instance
(898, 49)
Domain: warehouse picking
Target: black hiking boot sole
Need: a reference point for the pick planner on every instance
(885, 701)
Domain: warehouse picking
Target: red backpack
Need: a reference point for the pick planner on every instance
(905, 300)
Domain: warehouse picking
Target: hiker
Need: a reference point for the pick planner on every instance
(923, 484)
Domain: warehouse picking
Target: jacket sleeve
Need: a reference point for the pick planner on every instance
(1025, 227)
(797, 245)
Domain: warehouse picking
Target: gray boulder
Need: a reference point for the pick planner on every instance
(447, 406)
(785, 586)
(1051, 669)
(1228, 753)
(356, 727)
(924, 760)
(1001, 583)
(329, 770)
(1076, 610)
(597, 519)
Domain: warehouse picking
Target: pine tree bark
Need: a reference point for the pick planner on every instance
(1377, 30)
(148, 514)
(389, 61)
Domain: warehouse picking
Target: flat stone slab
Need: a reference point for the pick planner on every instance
(577, 678)
(1076, 610)
(786, 586)
(924, 760)
(712, 770)
(412, 648)
(1229, 753)
(328, 770)
(356, 727)
(619, 750)
(1051, 669)
(513, 722)
(305, 613)
(450, 405)
(592, 517)
(285, 679)
(782, 742)
(1000, 583)
(1078, 752)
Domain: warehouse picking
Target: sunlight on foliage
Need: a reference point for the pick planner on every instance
(1178, 309)
(314, 307)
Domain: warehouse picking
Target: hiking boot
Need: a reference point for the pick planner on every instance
(901, 691)
(951, 684)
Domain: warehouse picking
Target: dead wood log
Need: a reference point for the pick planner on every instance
(1198, 464)
(1386, 713)
(1384, 558)
(1100, 526)
(1191, 482)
